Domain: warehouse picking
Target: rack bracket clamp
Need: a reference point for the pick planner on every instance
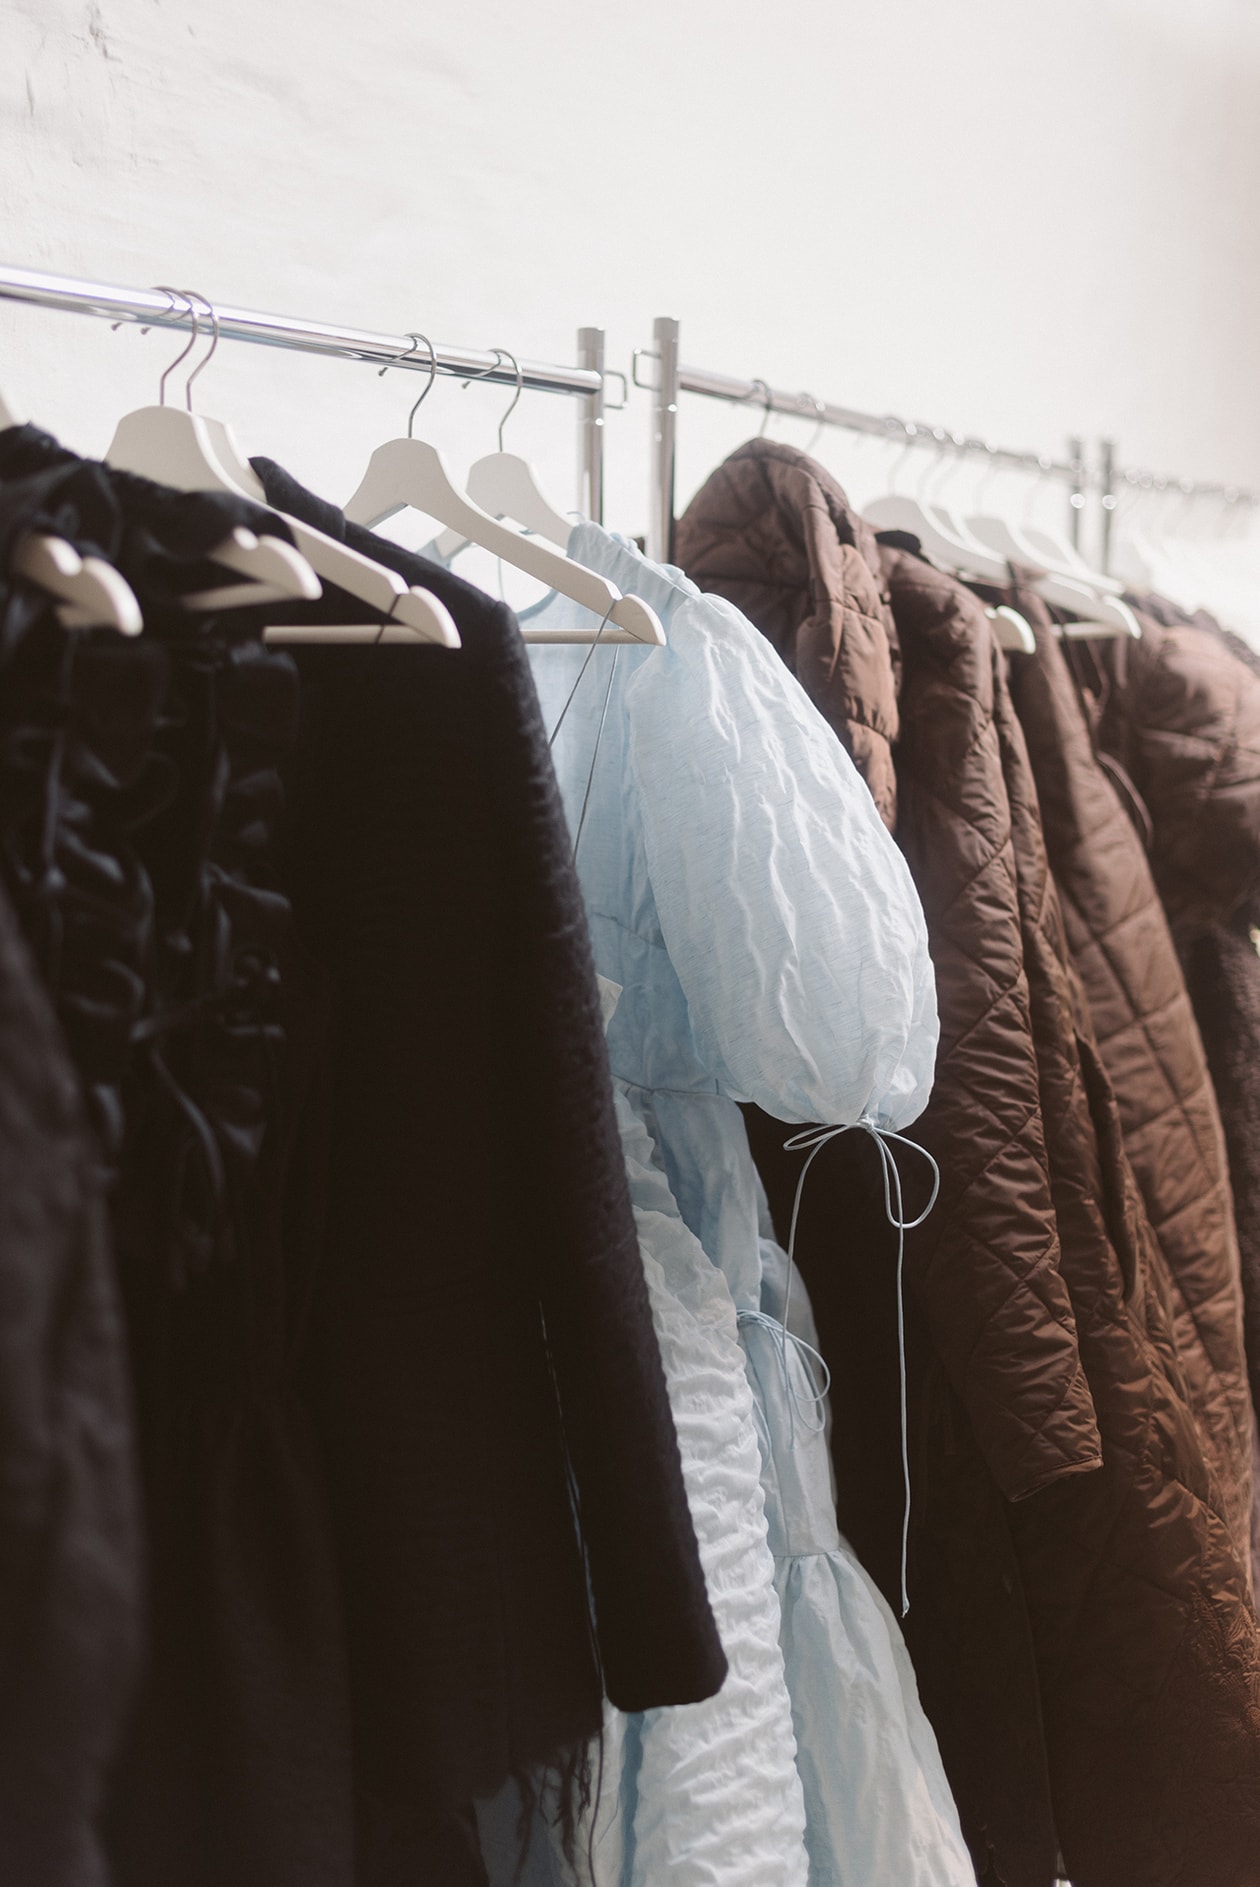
(645, 353)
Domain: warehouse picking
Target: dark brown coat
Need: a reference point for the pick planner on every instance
(1122, 948)
(1180, 713)
(773, 532)
(986, 1267)
(1136, 1583)
(1147, 1649)
(1144, 1678)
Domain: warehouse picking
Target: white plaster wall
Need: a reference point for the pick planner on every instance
(1017, 217)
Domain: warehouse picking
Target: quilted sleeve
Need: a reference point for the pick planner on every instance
(784, 903)
(1193, 744)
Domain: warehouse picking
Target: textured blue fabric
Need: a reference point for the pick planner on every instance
(769, 946)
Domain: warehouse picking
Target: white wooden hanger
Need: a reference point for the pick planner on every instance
(943, 537)
(1103, 615)
(1060, 555)
(951, 542)
(90, 593)
(957, 552)
(506, 486)
(184, 449)
(1009, 541)
(1012, 630)
(409, 474)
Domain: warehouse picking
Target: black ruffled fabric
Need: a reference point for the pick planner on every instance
(240, 1766)
(139, 794)
(366, 1164)
(71, 1579)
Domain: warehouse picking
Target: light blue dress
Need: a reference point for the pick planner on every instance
(766, 943)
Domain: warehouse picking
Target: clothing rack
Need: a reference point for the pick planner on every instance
(155, 307)
(1112, 475)
(673, 377)
(587, 381)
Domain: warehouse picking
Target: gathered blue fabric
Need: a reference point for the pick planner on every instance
(814, 1399)
(768, 945)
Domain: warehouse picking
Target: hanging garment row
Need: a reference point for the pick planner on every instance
(1082, 1623)
(473, 1123)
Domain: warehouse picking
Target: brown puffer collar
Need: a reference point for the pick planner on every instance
(773, 532)
(1180, 712)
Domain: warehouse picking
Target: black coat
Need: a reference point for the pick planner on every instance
(70, 1559)
(487, 1371)
(138, 796)
(71, 1577)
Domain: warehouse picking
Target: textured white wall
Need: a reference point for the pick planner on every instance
(1019, 217)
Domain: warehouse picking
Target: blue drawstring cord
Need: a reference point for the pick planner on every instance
(781, 1336)
(815, 1139)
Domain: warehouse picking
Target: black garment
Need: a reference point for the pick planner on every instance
(138, 793)
(239, 1771)
(488, 1366)
(70, 1549)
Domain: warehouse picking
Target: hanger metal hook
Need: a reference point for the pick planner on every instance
(820, 421)
(177, 295)
(766, 407)
(1178, 522)
(406, 354)
(500, 355)
(214, 342)
(428, 385)
(520, 382)
(427, 388)
(485, 372)
(1041, 465)
(988, 467)
(947, 468)
(938, 437)
(909, 433)
(1128, 498)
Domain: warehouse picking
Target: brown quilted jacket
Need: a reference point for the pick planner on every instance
(1141, 1012)
(1138, 1591)
(773, 532)
(986, 1267)
(1120, 1650)
(1180, 713)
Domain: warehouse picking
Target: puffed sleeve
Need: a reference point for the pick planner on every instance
(785, 905)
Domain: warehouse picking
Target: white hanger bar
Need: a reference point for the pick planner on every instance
(153, 307)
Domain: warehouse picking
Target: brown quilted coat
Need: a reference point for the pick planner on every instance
(1119, 1650)
(1180, 713)
(774, 532)
(987, 1264)
(1122, 947)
